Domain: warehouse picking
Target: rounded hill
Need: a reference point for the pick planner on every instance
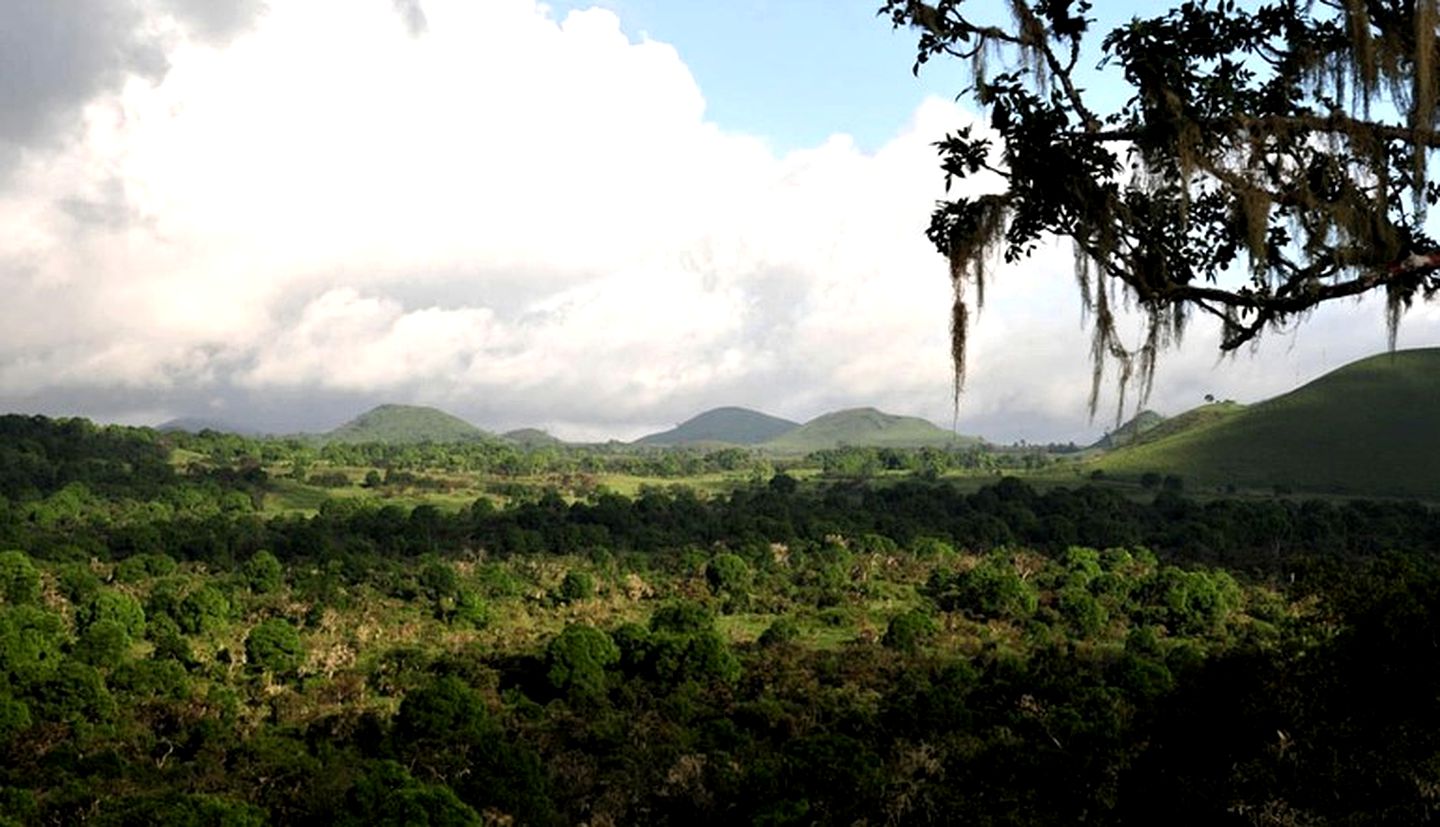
(866, 427)
(729, 426)
(398, 424)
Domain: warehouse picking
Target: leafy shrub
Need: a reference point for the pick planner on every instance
(780, 631)
(438, 580)
(681, 617)
(495, 580)
(577, 585)
(727, 573)
(466, 609)
(932, 548)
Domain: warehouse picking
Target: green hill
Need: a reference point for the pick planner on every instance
(730, 426)
(1130, 432)
(532, 438)
(398, 424)
(1367, 429)
(865, 427)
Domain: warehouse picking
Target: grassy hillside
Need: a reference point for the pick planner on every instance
(1195, 418)
(732, 426)
(1368, 428)
(406, 423)
(1131, 431)
(865, 427)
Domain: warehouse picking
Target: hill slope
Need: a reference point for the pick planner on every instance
(733, 426)
(1369, 428)
(399, 424)
(1131, 431)
(865, 427)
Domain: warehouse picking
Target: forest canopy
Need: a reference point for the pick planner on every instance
(1268, 157)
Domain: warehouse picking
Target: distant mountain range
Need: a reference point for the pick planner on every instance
(727, 426)
(1369, 428)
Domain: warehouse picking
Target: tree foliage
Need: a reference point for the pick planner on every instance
(1269, 157)
(275, 646)
(19, 580)
(577, 659)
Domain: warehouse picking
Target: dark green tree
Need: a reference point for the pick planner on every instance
(180, 810)
(31, 641)
(263, 573)
(275, 646)
(19, 579)
(909, 630)
(389, 796)
(576, 661)
(444, 730)
(728, 574)
(108, 604)
(103, 644)
(993, 588)
(204, 610)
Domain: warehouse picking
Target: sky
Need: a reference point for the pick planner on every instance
(595, 219)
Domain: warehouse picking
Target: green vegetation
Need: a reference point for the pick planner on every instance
(865, 427)
(196, 424)
(399, 424)
(723, 426)
(1365, 429)
(532, 438)
(485, 634)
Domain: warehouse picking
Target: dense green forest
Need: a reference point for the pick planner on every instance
(796, 646)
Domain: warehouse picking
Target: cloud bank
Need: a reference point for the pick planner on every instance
(285, 212)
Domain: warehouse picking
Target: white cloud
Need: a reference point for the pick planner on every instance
(529, 221)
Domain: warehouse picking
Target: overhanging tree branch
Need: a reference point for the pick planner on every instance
(1244, 176)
